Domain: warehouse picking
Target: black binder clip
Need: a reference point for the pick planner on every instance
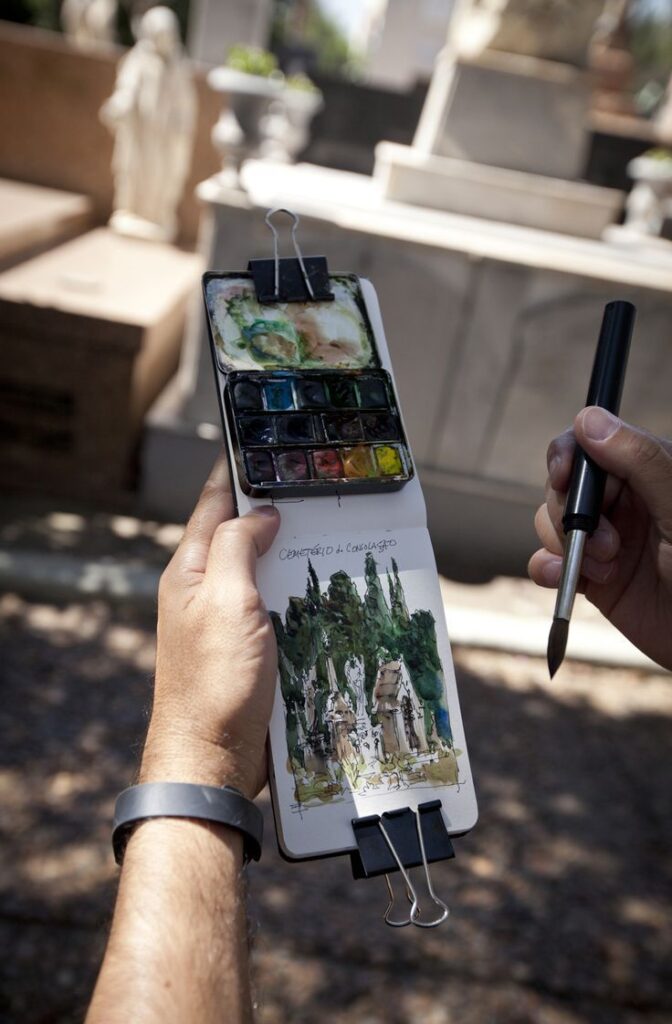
(293, 279)
(398, 841)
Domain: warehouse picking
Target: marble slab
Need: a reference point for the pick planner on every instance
(408, 175)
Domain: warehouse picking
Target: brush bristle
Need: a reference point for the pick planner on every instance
(557, 645)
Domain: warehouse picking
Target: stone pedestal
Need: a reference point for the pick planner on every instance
(492, 331)
(33, 218)
(90, 336)
(509, 111)
(408, 175)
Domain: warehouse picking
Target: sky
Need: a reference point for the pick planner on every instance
(348, 14)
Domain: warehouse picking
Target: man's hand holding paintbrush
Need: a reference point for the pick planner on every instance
(627, 562)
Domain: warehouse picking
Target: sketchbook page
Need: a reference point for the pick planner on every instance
(397, 510)
(366, 716)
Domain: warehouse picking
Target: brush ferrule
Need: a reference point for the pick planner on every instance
(571, 571)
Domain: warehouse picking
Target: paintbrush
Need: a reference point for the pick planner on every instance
(586, 489)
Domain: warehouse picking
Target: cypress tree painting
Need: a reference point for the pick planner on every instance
(363, 690)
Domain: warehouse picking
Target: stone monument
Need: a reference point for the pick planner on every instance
(89, 23)
(558, 30)
(507, 104)
(152, 114)
(510, 88)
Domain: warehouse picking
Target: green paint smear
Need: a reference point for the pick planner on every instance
(277, 342)
(273, 342)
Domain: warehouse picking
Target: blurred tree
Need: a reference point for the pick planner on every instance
(651, 40)
(306, 39)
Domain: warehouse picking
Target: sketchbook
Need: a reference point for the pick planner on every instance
(366, 716)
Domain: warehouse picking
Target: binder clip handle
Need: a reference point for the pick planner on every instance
(414, 915)
(297, 250)
(295, 278)
(398, 841)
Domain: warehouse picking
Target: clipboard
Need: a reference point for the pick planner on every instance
(367, 752)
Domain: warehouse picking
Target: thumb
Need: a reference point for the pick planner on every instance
(238, 543)
(633, 455)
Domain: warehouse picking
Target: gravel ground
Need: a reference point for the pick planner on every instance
(560, 897)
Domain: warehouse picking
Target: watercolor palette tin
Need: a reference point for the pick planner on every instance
(309, 409)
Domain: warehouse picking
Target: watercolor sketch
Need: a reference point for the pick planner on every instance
(249, 335)
(363, 691)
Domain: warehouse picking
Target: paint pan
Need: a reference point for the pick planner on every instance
(302, 432)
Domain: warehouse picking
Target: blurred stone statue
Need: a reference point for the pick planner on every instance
(649, 205)
(664, 116)
(88, 23)
(152, 114)
(550, 29)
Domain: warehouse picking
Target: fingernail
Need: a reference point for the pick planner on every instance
(598, 572)
(264, 510)
(602, 540)
(608, 571)
(551, 572)
(599, 425)
(554, 466)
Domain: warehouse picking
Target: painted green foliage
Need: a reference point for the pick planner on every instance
(340, 625)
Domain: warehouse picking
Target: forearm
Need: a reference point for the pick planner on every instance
(178, 949)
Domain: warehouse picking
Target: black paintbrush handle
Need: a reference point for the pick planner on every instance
(586, 490)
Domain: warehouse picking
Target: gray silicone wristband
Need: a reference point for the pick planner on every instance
(224, 806)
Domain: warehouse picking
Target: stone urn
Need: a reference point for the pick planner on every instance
(649, 205)
(239, 133)
(287, 125)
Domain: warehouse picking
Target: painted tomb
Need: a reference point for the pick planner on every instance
(363, 691)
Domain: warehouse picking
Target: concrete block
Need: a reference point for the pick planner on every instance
(91, 332)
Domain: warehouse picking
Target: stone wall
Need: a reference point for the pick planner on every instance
(50, 95)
